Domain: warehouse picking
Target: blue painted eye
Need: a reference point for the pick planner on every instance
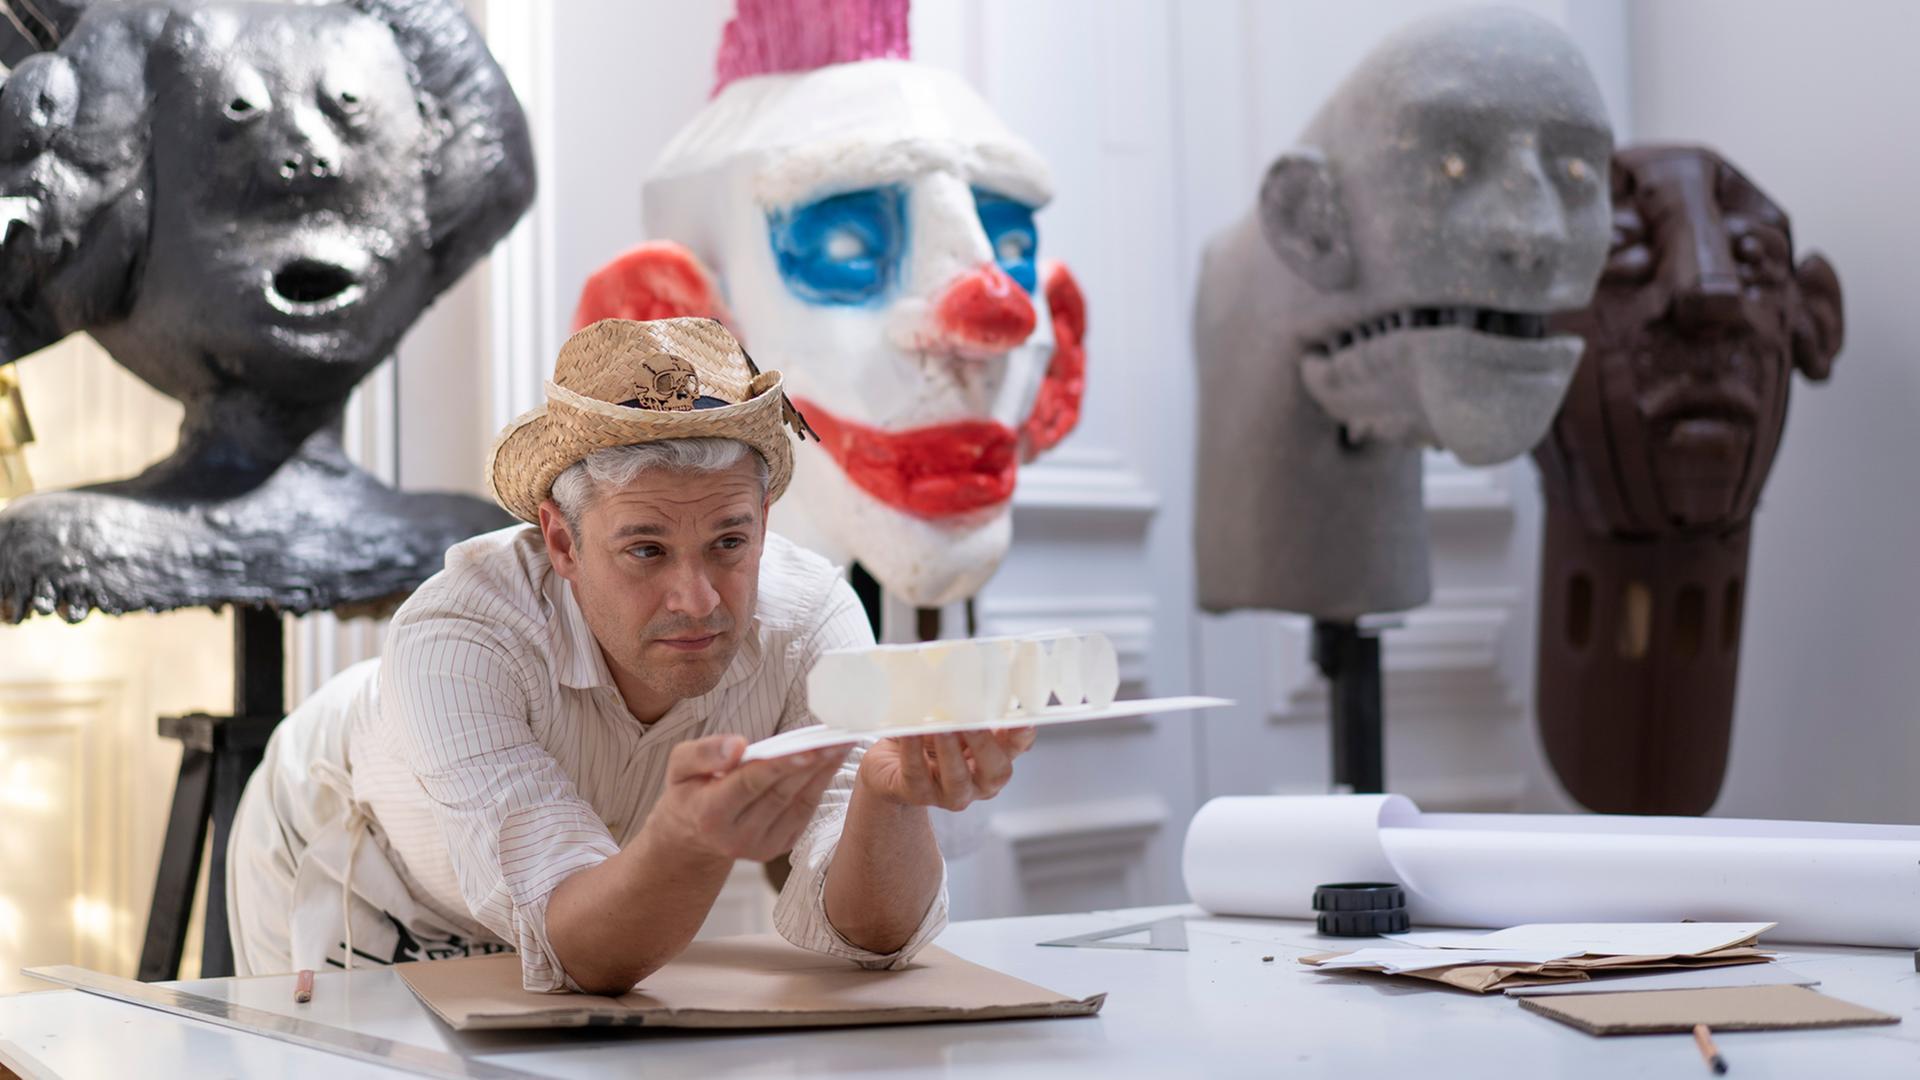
(1016, 243)
(843, 249)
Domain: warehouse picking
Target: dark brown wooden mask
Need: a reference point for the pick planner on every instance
(1653, 468)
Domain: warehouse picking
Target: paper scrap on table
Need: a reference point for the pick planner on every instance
(1396, 961)
(1481, 977)
(1597, 939)
(1676, 979)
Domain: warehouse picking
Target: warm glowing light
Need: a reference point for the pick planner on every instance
(10, 922)
(93, 919)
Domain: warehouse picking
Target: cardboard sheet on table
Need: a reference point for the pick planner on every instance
(820, 736)
(1734, 1008)
(758, 981)
(1674, 979)
(1486, 978)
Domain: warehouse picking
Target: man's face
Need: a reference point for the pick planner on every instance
(885, 258)
(666, 571)
(1690, 337)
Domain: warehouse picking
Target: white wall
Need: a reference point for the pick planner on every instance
(1815, 102)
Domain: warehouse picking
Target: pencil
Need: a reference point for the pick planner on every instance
(1704, 1039)
(303, 987)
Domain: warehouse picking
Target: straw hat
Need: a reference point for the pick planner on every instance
(621, 383)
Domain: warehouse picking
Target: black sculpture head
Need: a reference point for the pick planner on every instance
(248, 205)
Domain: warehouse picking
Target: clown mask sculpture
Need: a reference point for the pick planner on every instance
(1652, 472)
(1390, 292)
(247, 205)
(866, 224)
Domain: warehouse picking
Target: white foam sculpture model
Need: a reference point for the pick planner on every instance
(948, 682)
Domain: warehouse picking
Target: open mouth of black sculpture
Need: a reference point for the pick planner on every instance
(1517, 325)
(313, 287)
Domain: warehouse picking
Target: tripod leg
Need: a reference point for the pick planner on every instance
(179, 868)
(230, 772)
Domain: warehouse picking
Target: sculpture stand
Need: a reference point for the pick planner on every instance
(218, 754)
(1348, 654)
(926, 620)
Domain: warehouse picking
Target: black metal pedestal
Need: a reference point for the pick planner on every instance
(926, 620)
(218, 754)
(1349, 656)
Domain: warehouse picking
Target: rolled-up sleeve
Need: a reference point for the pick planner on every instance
(801, 912)
(460, 699)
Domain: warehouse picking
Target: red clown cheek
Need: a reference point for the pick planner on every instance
(1057, 409)
(657, 280)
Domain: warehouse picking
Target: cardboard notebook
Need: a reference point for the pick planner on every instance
(742, 982)
(1733, 1008)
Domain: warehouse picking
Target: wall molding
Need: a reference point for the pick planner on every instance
(1476, 793)
(525, 322)
(1442, 660)
(102, 918)
(1076, 856)
(1451, 489)
(1081, 482)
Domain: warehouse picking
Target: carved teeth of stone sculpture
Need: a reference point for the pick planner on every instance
(1524, 325)
(943, 682)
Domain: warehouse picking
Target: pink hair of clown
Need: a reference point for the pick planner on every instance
(869, 225)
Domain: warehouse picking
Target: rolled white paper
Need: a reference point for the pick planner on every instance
(1822, 882)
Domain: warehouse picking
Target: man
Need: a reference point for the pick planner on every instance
(548, 756)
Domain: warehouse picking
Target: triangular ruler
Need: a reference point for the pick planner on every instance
(1166, 935)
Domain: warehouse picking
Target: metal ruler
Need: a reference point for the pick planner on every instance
(288, 1029)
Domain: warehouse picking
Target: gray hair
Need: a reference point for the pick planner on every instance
(615, 467)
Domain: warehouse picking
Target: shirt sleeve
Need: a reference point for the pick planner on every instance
(801, 912)
(462, 705)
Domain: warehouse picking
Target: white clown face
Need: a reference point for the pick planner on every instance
(870, 226)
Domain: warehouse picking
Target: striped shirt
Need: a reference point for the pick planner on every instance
(496, 756)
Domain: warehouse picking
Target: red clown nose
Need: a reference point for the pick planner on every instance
(987, 309)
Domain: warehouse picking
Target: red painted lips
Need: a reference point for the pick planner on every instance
(929, 472)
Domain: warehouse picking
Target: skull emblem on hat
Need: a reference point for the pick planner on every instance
(671, 385)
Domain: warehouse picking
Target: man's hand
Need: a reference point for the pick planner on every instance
(715, 806)
(948, 771)
(615, 923)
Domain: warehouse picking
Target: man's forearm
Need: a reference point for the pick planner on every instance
(614, 924)
(885, 873)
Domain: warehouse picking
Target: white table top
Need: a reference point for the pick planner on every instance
(1215, 1010)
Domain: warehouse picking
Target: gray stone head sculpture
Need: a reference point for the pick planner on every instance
(1390, 292)
(248, 205)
